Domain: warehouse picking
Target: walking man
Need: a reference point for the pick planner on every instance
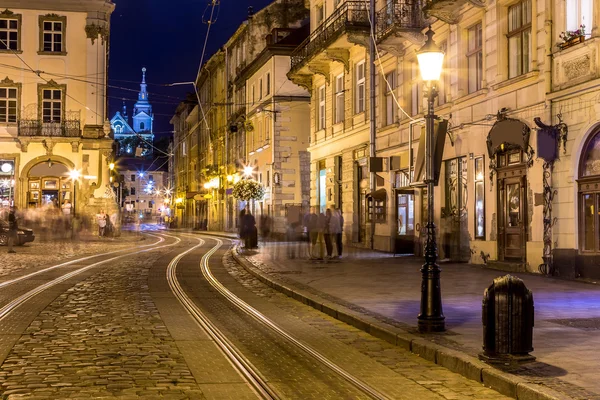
(101, 223)
(12, 230)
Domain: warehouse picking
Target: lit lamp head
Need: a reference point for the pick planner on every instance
(248, 170)
(430, 58)
(229, 178)
(6, 167)
(74, 174)
(111, 166)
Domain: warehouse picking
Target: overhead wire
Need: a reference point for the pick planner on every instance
(39, 73)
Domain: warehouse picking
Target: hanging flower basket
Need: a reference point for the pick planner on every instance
(248, 189)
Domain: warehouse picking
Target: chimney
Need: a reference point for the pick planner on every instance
(250, 12)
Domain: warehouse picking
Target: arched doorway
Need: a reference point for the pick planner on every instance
(589, 196)
(48, 185)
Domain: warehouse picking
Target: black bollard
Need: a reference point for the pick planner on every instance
(507, 322)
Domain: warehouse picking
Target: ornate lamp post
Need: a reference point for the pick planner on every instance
(431, 317)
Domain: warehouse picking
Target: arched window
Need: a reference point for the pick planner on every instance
(118, 129)
(589, 196)
(141, 126)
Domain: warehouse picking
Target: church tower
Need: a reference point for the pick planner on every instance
(142, 110)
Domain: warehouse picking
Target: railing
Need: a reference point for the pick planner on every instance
(398, 14)
(349, 14)
(34, 127)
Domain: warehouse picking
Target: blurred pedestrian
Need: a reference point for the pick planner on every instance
(339, 232)
(265, 227)
(327, 234)
(250, 233)
(310, 224)
(12, 230)
(101, 223)
(321, 228)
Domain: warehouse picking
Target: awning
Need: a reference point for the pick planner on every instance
(379, 194)
(507, 133)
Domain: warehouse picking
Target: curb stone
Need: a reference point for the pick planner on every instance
(455, 361)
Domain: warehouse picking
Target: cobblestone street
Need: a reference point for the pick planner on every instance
(119, 334)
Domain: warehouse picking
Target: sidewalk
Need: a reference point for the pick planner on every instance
(380, 293)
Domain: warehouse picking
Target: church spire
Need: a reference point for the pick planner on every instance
(143, 95)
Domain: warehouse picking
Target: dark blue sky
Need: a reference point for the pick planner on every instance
(166, 37)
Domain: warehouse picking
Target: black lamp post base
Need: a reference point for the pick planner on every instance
(430, 325)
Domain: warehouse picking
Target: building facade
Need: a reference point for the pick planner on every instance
(54, 135)
(512, 91)
(218, 129)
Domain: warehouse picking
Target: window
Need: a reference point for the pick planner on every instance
(339, 99)
(52, 32)
(579, 12)
(416, 94)
(268, 81)
(260, 88)
(519, 38)
(389, 85)
(133, 191)
(379, 202)
(8, 104)
(321, 108)
(475, 57)
(322, 185)
(268, 178)
(151, 178)
(479, 199)
(319, 14)
(142, 126)
(253, 90)
(359, 96)
(52, 105)
(133, 178)
(589, 197)
(10, 38)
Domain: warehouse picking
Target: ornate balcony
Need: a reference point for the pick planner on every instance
(35, 127)
(350, 19)
(448, 10)
(399, 20)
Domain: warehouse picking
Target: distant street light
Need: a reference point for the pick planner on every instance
(248, 171)
(431, 317)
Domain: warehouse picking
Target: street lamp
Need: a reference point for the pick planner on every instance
(248, 171)
(431, 317)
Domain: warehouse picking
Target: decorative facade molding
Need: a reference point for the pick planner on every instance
(75, 147)
(302, 80)
(49, 146)
(578, 67)
(321, 69)
(22, 143)
(92, 32)
(6, 13)
(340, 55)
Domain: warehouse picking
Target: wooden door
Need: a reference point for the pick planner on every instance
(512, 218)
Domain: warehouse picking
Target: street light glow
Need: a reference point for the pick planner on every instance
(111, 166)
(6, 167)
(74, 174)
(430, 58)
(248, 170)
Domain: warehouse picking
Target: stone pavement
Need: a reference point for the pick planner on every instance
(377, 288)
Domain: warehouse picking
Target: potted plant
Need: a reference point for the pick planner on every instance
(569, 38)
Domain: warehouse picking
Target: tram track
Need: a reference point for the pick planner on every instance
(16, 302)
(252, 375)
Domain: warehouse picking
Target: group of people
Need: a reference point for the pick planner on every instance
(324, 229)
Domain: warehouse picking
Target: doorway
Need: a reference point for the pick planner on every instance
(405, 217)
(512, 208)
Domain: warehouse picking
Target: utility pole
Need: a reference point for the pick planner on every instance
(373, 130)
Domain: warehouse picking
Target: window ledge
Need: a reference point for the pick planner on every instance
(471, 95)
(11, 51)
(52, 53)
(516, 79)
(389, 127)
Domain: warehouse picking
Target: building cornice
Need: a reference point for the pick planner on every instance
(106, 6)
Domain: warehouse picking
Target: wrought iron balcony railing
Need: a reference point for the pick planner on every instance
(35, 127)
(398, 14)
(351, 15)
